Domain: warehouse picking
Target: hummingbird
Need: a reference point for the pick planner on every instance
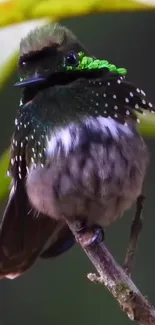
(76, 153)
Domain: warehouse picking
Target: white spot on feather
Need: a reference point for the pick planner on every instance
(20, 103)
(127, 100)
(144, 101)
(8, 173)
(142, 92)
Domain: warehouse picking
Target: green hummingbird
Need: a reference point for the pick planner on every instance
(76, 153)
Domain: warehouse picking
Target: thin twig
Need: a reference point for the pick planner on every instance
(136, 228)
(115, 279)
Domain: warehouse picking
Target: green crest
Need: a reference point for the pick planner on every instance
(89, 63)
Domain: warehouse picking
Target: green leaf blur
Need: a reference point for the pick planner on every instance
(4, 179)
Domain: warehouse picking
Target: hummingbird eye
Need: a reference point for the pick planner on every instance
(72, 59)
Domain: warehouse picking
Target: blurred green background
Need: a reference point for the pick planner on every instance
(58, 292)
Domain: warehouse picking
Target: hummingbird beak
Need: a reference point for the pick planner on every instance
(30, 81)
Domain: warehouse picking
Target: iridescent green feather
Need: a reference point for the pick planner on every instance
(89, 63)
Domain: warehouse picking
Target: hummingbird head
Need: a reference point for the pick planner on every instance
(47, 51)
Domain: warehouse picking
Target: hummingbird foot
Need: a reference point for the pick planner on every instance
(89, 235)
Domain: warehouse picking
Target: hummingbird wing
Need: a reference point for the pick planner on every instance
(23, 235)
(111, 96)
(123, 99)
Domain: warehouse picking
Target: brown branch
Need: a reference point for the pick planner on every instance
(115, 279)
(136, 228)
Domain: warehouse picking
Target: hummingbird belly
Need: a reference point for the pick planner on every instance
(95, 171)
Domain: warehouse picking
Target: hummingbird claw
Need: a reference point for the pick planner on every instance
(87, 236)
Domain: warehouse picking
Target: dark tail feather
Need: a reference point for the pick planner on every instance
(64, 242)
(16, 255)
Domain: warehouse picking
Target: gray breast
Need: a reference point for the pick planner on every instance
(95, 171)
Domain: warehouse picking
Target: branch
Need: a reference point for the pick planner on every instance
(131, 301)
(136, 228)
